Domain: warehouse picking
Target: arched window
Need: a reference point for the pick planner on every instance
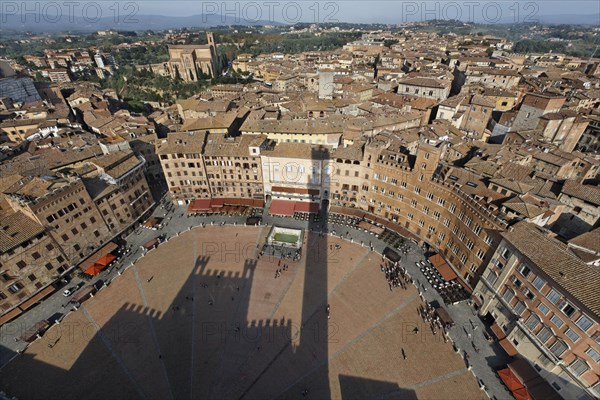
(532, 322)
(492, 277)
(579, 367)
(558, 348)
(508, 295)
(544, 334)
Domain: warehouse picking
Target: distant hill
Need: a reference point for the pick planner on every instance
(161, 22)
(136, 23)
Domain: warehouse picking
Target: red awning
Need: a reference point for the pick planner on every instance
(354, 212)
(110, 246)
(37, 297)
(84, 294)
(150, 223)
(100, 265)
(442, 266)
(537, 387)
(216, 203)
(199, 205)
(306, 207)
(10, 315)
(508, 347)
(498, 331)
(282, 207)
(367, 226)
(151, 243)
(522, 394)
(258, 203)
(107, 259)
(509, 379)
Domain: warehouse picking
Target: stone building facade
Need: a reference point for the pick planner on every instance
(545, 300)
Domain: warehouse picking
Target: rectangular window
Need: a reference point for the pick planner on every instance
(524, 270)
(480, 254)
(516, 281)
(543, 308)
(488, 239)
(15, 287)
(538, 283)
(557, 321)
(553, 296)
(568, 309)
(584, 323)
(519, 308)
(506, 253)
(572, 335)
(593, 354)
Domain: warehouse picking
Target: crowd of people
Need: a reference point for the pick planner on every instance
(396, 275)
(429, 316)
(280, 252)
(280, 270)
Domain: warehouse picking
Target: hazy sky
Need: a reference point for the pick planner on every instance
(392, 11)
(372, 11)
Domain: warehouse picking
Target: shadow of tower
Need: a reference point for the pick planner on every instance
(205, 344)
